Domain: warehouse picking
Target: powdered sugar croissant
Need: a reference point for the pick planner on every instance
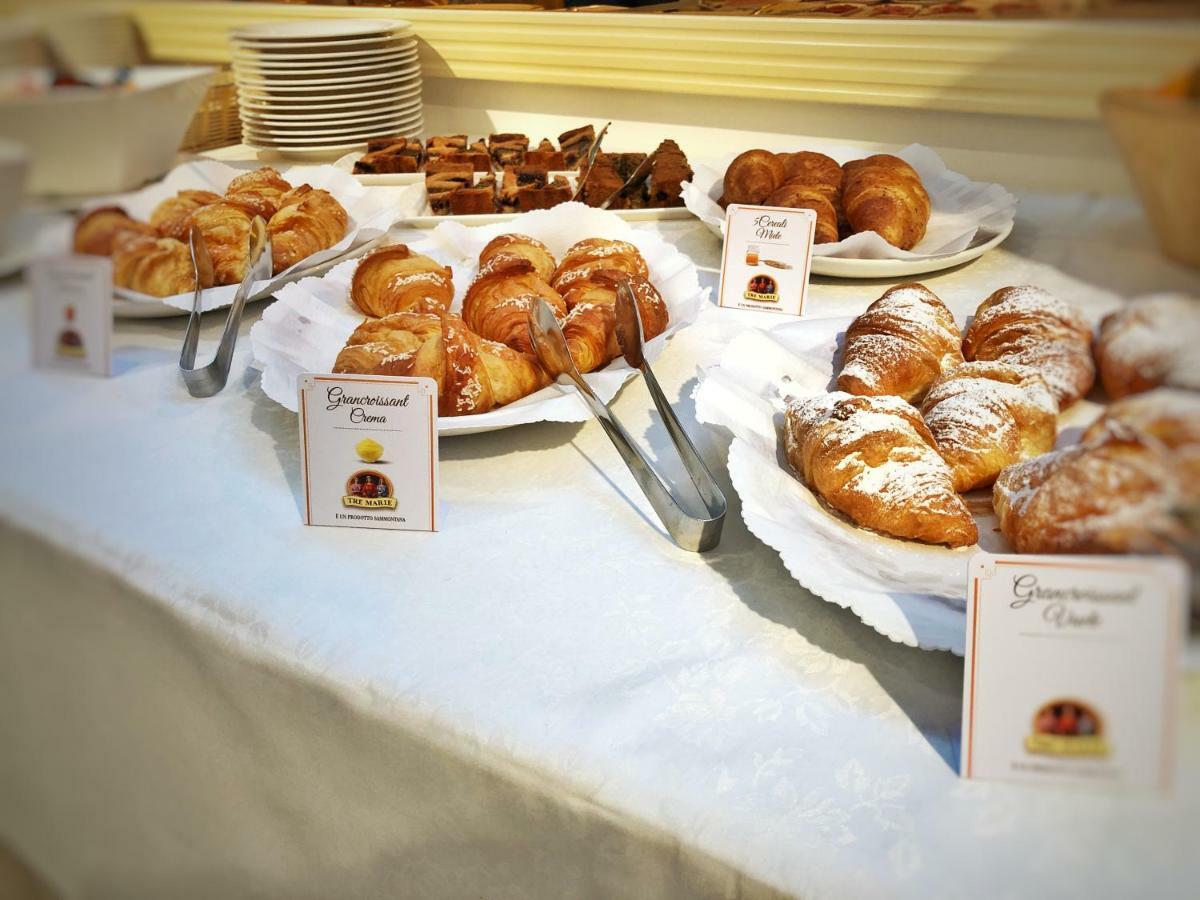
(873, 459)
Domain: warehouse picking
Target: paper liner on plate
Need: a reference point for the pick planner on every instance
(308, 325)
(960, 207)
(911, 592)
(370, 212)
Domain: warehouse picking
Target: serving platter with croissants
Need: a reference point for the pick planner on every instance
(454, 307)
(879, 215)
(314, 215)
(878, 453)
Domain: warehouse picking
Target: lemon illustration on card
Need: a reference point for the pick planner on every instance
(369, 450)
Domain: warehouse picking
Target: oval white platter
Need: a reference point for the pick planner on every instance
(836, 267)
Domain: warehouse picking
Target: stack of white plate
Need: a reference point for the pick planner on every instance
(326, 86)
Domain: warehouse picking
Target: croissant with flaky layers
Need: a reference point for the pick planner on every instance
(262, 191)
(160, 267)
(498, 302)
(170, 217)
(225, 228)
(520, 245)
(394, 279)
(900, 345)
(594, 254)
(884, 194)
(309, 220)
(591, 325)
(473, 375)
(873, 459)
(96, 231)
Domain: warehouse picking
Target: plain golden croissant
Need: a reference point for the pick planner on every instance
(1030, 327)
(309, 220)
(498, 302)
(225, 228)
(753, 176)
(95, 231)
(1170, 415)
(985, 416)
(394, 279)
(1113, 494)
(170, 218)
(594, 254)
(160, 267)
(262, 191)
(473, 375)
(591, 325)
(900, 345)
(799, 194)
(884, 194)
(873, 459)
(1152, 341)
(822, 173)
(523, 246)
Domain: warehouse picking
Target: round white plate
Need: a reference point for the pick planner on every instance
(313, 145)
(898, 268)
(325, 57)
(293, 129)
(319, 107)
(317, 151)
(332, 121)
(273, 69)
(330, 48)
(348, 94)
(137, 309)
(318, 30)
(382, 128)
(387, 75)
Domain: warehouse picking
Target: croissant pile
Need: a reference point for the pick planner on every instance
(925, 413)
(483, 358)
(881, 193)
(153, 257)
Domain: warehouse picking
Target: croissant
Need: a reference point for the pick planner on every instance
(497, 303)
(1114, 494)
(900, 345)
(473, 375)
(160, 267)
(884, 194)
(985, 416)
(873, 459)
(95, 231)
(814, 168)
(594, 254)
(1169, 415)
(309, 220)
(523, 246)
(798, 194)
(1031, 327)
(225, 228)
(1151, 342)
(170, 218)
(262, 191)
(591, 325)
(753, 176)
(394, 279)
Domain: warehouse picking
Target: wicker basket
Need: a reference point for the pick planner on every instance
(216, 122)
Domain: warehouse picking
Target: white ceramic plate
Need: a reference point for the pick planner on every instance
(375, 79)
(307, 70)
(323, 95)
(319, 108)
(285, 122)
(329, 48)
(333, 137)
(835, 267)
(319, 30)
(348, 54)
(307, 326)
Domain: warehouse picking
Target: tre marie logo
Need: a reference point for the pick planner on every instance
(369, 489)
(1067, 728)
(762, 288)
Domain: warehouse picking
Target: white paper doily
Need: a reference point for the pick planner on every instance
(308, 325)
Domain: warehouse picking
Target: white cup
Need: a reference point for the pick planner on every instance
(14, 171)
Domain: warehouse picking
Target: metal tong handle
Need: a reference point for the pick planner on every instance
(205, 381)
(586, 170)
(640, 174)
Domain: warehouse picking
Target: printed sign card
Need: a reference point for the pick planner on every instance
(767, 257)
(72, 313)
(369, 451)
(1072, 665)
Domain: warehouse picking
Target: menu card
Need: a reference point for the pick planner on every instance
(72, 313)
(767, 258)
(1072, 666)
(369, 451)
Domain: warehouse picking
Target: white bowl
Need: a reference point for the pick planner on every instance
(88, 141)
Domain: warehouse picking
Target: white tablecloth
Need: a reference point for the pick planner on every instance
(201, 697)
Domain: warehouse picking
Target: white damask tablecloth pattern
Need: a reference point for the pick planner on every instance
(200, 697)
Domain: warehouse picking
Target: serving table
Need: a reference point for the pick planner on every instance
(202, 697)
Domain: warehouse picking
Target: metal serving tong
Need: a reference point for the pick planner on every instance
(640, 174)
(693, 519)
(210, 379)
(586, 169)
